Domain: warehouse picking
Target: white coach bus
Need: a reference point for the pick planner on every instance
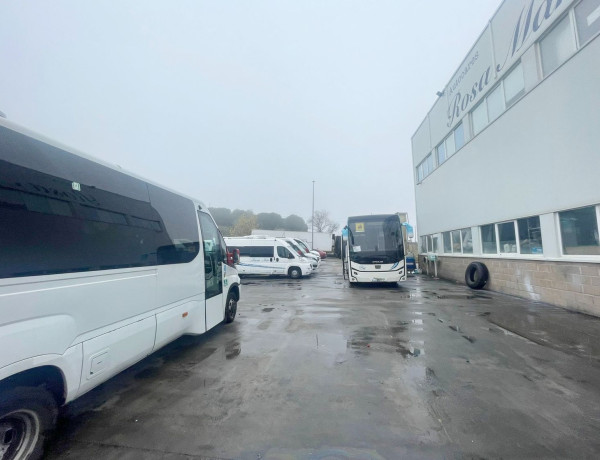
(98, 269)
(375, 252)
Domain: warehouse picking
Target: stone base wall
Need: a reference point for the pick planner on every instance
(575, 286)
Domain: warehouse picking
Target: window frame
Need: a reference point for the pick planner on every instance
(585, 257)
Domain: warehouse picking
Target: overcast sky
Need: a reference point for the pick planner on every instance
(244, 103)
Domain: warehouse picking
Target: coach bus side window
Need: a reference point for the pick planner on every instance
(180, 243)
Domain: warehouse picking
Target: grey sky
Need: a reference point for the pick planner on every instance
(241, 103)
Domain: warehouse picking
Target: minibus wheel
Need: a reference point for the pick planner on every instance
(27, 416)
(230, 307)
(295, 273)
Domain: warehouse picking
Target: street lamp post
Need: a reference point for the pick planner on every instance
(312, 220)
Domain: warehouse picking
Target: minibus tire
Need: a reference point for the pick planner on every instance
(230, 307)
(476, 275)
(30, 414)
(295, 273)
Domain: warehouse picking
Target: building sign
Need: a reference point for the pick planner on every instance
(471, 80)
(516, 25)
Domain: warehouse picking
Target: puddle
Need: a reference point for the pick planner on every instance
(233, 350)
(268, 310)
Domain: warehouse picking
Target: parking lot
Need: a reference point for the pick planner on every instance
(314, 369)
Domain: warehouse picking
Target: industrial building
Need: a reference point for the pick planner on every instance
(507, 161)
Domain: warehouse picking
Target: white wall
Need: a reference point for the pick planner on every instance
(540, 156)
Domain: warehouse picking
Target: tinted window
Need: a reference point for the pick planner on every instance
(180, 226)
(42, 234)
(256, 251)
(61, 213)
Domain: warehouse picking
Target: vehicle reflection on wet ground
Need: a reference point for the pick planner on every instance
(313, 369)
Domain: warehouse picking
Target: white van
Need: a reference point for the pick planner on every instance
(268, 256)
(313, 259)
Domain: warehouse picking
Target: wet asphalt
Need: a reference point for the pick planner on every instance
(315, 369)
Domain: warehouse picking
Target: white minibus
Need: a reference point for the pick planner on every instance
(268, 256)
(99, 268)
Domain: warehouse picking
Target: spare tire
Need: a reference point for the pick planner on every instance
(476, 275)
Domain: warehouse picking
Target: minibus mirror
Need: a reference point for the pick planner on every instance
(291, 256)
(236, 256)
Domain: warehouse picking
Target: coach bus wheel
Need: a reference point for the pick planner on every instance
(294, 273)
(476, 275)
(27, 415)
(230, 307)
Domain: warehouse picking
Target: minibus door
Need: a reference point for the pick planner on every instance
(214, 254)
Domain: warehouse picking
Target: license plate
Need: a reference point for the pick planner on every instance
(378, 280)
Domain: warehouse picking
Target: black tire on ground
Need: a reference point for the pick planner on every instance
(476, 275)
(27, 418)
(295, 273)
(230, 307)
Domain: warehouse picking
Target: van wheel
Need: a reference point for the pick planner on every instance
(27, 417)
(295, 273)
(476, 275)
(230, 307)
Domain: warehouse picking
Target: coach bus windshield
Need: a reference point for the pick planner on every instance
(375, 239)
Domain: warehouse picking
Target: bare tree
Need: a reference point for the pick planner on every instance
(323, 222)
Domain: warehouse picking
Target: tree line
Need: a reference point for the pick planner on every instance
(240, 222)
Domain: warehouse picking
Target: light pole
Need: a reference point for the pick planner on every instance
(312, 220)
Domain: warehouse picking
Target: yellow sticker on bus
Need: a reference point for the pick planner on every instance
(359, 227)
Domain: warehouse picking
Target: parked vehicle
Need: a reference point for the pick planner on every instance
(268, 256)
(99, 268)
(304, 245)
(314, 259)
(316, 240)
(375, 249)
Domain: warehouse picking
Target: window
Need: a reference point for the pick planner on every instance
(428, 165)
(450, 146)
(479, 117)
(557, 46)
(507, 238)
(467, 241)
(423, 244)
(441, 153)
(284, 253)
(256, 251)
(447, 242)
(495, 103)
(435, 241)
(587, 16)
(514, 85)
(425, 168)
(214, 253)
(579, 231)
(488, 239)
(456, 241)
(180, 238)
(420, 173)
(110, 221)
(530, 235)
(459, 136)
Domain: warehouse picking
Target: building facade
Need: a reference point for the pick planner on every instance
(507, 161)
